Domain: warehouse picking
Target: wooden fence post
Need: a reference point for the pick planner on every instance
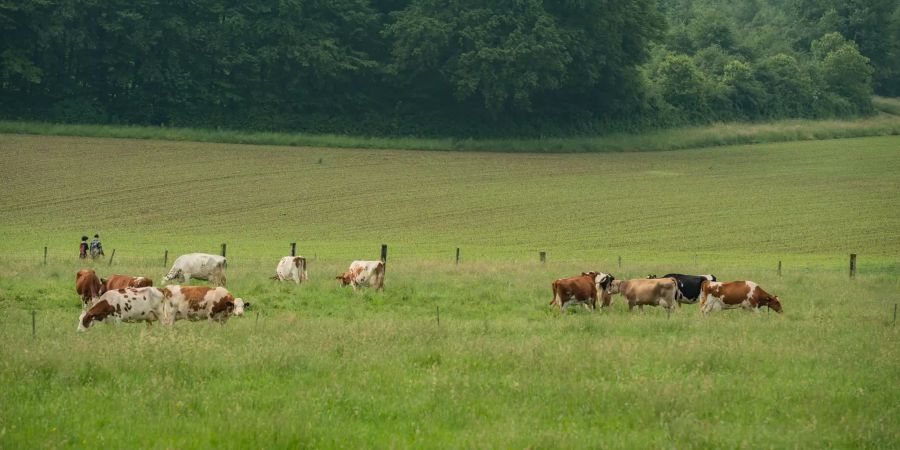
(895, 315)
(224, 248)
(45, 255)
(33, 320)
(853, 265)
(437, 313)
(779, 268)
(384, 256)
(457, 256)
(166, 258)
(112, 256)
(543, 257)
(620, 262)
(293, 249)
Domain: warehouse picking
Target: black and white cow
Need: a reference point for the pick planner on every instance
(688, 285)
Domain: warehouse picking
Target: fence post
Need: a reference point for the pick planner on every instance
(620, 262)
(853, 265)
(112, 256)
(384, 256)
(543, 257)
(895, 315)
(457, 256)
(45, 255)
(224, 248)
(779, 268)
(33, 320)
(166, 258)
(293, 249)
(437, 312)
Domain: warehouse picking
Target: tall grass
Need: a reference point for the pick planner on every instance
(661, 140)
(324, 367)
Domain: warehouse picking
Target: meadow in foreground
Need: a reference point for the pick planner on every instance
(315, 365)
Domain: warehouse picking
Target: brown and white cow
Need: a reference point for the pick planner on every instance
(200, 303)
(292, 268)
(88, 286)
(585, 288)
(735, 294)
(364, 273)
(640, 292)
(125, 305)
(123, 281)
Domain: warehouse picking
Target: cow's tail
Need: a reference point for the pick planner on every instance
(378, 274)
(556, 299)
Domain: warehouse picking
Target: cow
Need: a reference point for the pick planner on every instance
(125, 305)
(688, 286)
(200, 266)
(585, 288)
(123, 281)
(88, 286)
(642, 291)
(736, 294)
(291, 268)
(364, 273)
(200, 303)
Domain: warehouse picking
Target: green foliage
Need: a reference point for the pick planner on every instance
(849, 75)
(683, 85)
(462, 68)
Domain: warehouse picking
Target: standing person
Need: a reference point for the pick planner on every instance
(83, 248)
(96, 247)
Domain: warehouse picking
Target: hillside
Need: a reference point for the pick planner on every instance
(822, 198)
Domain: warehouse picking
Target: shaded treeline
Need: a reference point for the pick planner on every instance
(443, 67)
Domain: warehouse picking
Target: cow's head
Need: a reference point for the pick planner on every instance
(240, 306)
(225, 307)
(345, 278)
(652, 276)
(97, 312)
(709, 277)
(613, 286)
(774, 303)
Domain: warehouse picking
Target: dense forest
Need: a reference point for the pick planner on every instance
(444, 67)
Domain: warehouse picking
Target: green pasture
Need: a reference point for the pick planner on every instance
(466, 355)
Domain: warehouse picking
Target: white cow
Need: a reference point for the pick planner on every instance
(364, 273)
(200, 303)
(200, 266)
(125, 305)
(292, 268)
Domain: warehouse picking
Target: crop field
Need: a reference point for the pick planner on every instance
(466, 355)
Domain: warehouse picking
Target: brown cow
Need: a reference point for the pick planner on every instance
(584, 288)
(641, 291)
(88, 286)
(124, 281)
(735, 294)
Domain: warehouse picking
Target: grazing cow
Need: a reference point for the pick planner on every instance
(125, 305)
(199, 303)
(364, 273)
(688, 286)
(585, 288)
(88, 286)
(200, 266)
(736, 294)
(642, 291)
(123, 281)
(291, 268)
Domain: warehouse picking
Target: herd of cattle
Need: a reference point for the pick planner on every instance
(124, 298)
(134, 299)
(669, 291)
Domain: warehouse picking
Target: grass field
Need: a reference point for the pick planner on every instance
(317, 366)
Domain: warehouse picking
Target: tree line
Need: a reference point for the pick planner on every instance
(444, 67)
